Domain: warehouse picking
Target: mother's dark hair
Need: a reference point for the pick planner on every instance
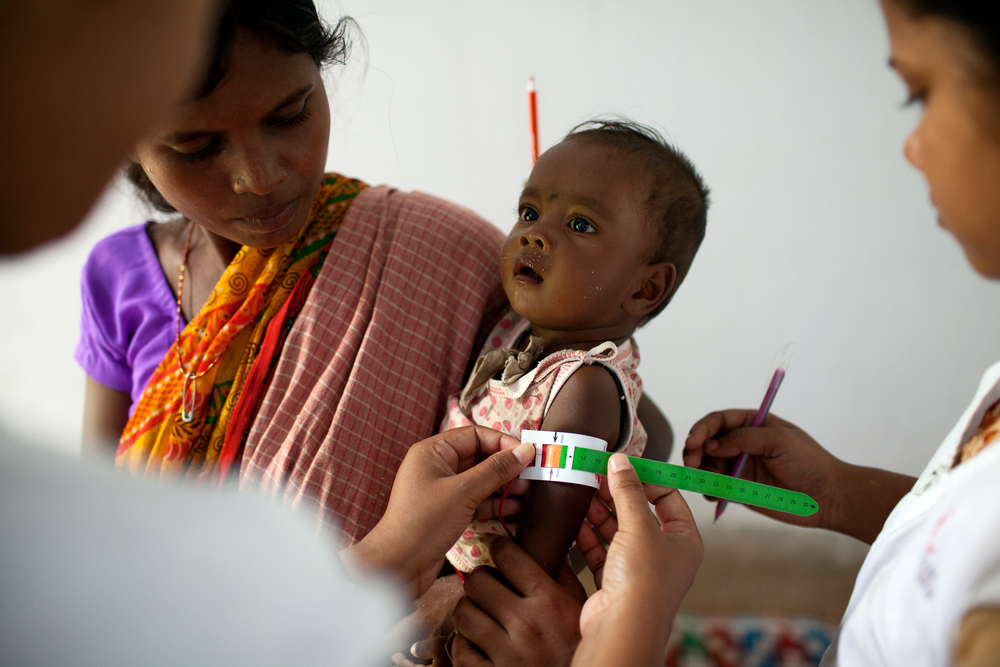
(980, 17)
(293, 25)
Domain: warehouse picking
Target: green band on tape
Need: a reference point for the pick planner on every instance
(701, 481)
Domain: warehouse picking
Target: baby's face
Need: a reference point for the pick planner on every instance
(575, 254)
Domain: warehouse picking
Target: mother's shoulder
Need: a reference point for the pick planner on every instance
(424, 213)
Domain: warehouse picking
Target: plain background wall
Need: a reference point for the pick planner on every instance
(819, 232)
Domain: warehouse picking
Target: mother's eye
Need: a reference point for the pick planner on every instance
(582, 226)
(198, 154)
(527, 214)
(296, 120)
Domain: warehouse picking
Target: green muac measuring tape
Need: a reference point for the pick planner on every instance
(701, 481)
(578, 459)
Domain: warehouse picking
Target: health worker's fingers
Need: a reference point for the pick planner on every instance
(465, 654)
(603, 519)
(629, 495)
(672, 512)
(479, 482)
(764, 442)
(490, 508)
(594, 553)
(462, 447)
(716, 426)
(518, 487)
(708, 427)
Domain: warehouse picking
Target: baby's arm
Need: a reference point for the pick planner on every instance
(589, 404)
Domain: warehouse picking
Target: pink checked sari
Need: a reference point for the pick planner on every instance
(404, 299)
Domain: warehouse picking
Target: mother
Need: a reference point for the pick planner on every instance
(300, 340)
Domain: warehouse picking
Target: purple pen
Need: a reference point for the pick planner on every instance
(781, 363)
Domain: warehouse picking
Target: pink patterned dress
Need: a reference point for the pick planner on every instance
(523, 404)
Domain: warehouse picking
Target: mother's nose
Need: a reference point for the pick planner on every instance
(255, 168)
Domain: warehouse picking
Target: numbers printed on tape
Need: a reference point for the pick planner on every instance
(700, 481)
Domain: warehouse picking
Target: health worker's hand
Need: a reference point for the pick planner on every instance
(643, 575)
(443, 483)
(781, 454)
(852, 500)
(537, 623)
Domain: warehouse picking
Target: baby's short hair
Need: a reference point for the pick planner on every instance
(678, 203)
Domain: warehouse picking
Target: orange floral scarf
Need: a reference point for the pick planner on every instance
(221, 345)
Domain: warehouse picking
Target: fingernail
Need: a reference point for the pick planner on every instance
(524, 452)
(413, 649)
(618, 463)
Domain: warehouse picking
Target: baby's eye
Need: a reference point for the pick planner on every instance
(528, 214)
(582, 225)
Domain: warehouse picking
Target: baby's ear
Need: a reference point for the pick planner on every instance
(657, 283)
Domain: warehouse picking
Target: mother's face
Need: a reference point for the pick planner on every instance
(957, 143)
(246, 161)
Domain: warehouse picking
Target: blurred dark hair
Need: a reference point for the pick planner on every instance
(678, 203)
(293, 25)
(980, 17)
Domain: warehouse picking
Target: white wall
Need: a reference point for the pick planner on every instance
(819, 231)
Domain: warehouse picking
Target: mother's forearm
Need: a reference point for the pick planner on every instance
(864, 500)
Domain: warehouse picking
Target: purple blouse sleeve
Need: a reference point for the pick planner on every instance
(128, 319)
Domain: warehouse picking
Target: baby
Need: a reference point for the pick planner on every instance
(608, 225)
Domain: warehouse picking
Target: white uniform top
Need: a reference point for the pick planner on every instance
(937, 557)
(100, 569)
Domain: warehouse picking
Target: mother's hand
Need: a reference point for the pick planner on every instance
(534, 620)
(443, 483)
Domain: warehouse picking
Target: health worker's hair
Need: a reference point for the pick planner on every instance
(980, 18)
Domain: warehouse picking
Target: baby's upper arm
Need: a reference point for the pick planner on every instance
(588, 403)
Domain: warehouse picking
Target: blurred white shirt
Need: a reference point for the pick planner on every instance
(100, 569)
(937, 557)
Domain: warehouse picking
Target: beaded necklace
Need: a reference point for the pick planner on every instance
(190, 377)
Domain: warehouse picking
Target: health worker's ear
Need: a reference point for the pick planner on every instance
(657, 283)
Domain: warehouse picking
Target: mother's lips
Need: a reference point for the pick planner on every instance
(273, 217)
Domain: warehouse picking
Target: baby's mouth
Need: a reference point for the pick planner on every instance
(526, 274)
